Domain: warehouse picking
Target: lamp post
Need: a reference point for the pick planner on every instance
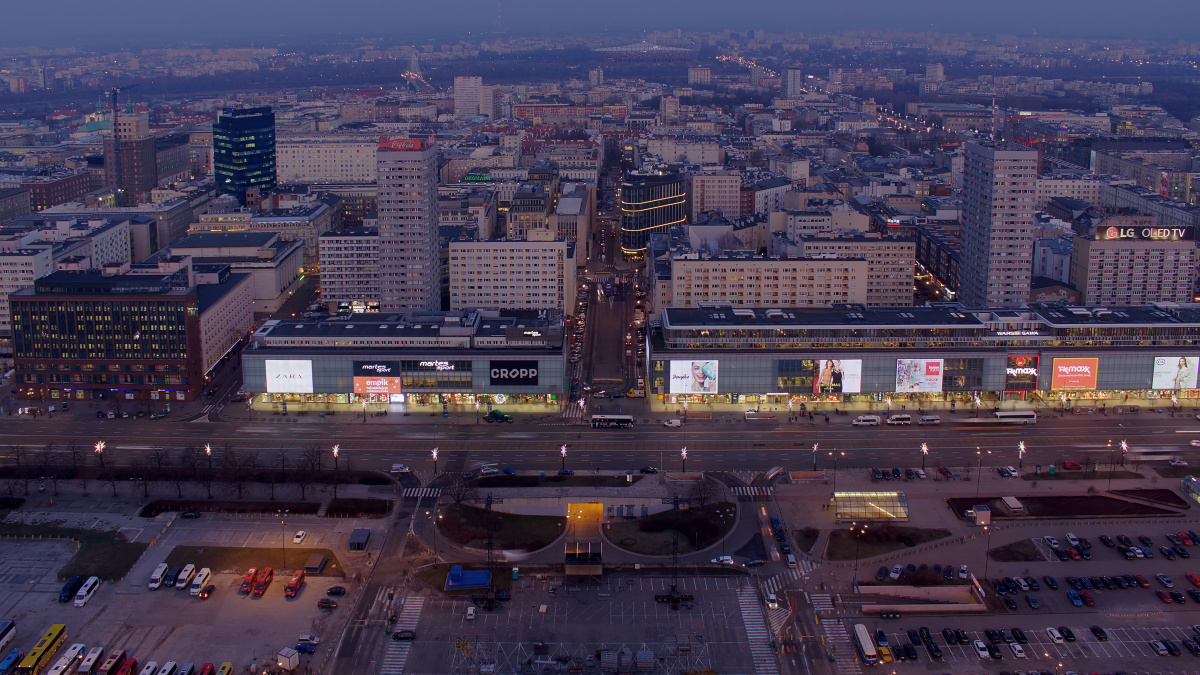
(563, 451)
(987, 549)
(336, 448)
(476, 412)
(434, 453)
(979, 471)
(814, 451)
(208, 454)
(364, 410)
(834, 455)
(924, 454)
(858, 532)
(1020, 455)
(683, 454)
(283, 536)
(100, 452)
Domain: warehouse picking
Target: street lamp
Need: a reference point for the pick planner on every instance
(100, 452)
(1020, 455)
(336, 448)
(563, 451)
(857, 543)
(364, 410)
(208, 454)
(683, 454)
(283, 536)
(834, 455)
(979, 471)
(814, 451)
(476, 412)
(924, 454)
(434, 453)
(987, 549)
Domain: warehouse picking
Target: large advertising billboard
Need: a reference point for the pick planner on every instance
(1021, 373)
(694, 377)
(1174, 372)
(918, 375)
(838, 376)
(289, 377)
(378, 385)
(513, 373)
(1075, 373)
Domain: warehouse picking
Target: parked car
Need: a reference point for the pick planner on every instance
(326, 603)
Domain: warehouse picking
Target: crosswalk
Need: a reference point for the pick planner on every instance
(838, 643)
(756, 632)
(397, 651)
(752, 491)
(422, 492)
(821, 602)
(781, 580)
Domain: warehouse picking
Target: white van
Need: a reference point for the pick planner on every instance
(185, 576)
(86, 591)
(200, 581)
(927, 420)
(866, 421)
(1055, 636)
(673, 423)
(900, 419)
(489, 470)
(156, 579)
(791, 560)
(168, 668)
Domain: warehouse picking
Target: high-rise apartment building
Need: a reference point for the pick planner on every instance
(999, 191)
(793, 83)
(650, 203)
(596, 77)
(935, 72)
(467, 94)
(890, 262)
(503, 274)
(244, 151)
(408, 224)
(131, 166)
(701, 75)
(721, 191)
(350, 270)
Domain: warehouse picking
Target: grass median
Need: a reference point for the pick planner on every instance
(465, 526)
(843, 545)
(693, 529)
(107, 555)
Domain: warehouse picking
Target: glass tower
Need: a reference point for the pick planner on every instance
(650, 203)
(244, 151)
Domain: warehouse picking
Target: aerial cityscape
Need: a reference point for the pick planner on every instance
(511, 337)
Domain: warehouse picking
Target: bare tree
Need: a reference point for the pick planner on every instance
(229, 457)
(302, 478)
(189, 458)
(140, 472)
(460, 490)
(76, 452)
(11, 485)
(705, 491)
(159, 457)
(206, 479)
(312, 456)
(179, 476)
(110, 477)
(236, 474)
(18, 454)
(45, 458)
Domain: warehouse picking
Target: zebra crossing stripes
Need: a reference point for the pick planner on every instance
(780, 580)
(752, 491)
(756, 632)
(837, 642)
(821, 602)
(396, 655)
(422, 492)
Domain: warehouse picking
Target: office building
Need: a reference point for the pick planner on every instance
(130, 166)
(650, 202)
(503, 274)
(793, 82)
(529, 209)
(51, 187)
(935, 72)
(14, 203)
(350, 270)
(890, 262)
(1129, 260)
(720, 191)
(153, 334)
(998, 231)
(745, 279)
(408, 224)
(699, 75)
(274, 264)
(326, 158)
(467, 95)
(244, 151)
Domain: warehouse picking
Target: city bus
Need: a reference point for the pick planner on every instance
(9, 664)
(1005, 417)
(865, 644)
(607, 421)
(41, 654)
(8, 630)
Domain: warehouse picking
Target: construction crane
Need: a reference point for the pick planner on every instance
(116, 158)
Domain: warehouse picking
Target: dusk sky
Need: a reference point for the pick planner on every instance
(157, 23)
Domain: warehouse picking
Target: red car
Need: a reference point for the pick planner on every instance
(1142, 581)
(945, 472)
(1073, 553)
(1185, 538)
(1087, 599)
(1194, 579)
(1164, 596)
(1071, 465)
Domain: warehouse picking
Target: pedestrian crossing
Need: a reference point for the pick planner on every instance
(422, 492)
(780, 580)
(573, 411)
(838, 643)
(756, 632)
(396, 655)
(752, 491)
(821, 602)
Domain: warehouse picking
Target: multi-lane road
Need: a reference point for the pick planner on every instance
(723, 443)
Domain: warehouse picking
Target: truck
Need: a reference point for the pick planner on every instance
(287, 659)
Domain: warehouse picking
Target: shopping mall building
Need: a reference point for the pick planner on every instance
(1043, 354)
(425, 358)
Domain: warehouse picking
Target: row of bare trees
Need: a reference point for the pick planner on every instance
(230, 470)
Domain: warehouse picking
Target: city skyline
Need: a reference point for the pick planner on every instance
(148, 24)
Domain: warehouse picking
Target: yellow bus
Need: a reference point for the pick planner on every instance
(42, 653)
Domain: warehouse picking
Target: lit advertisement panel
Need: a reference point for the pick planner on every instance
(694, 377)
(838, 376)
(1021, 373)
(1174, 372)
(378, 385)
(919, 375)
(1075, 373)
(289, 377)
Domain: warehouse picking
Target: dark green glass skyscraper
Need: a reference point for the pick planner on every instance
(244, 151)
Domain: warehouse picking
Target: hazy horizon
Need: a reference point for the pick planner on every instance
(148, 23)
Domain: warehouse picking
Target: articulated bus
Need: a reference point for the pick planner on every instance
(1005, 417)
(41, 654)
(618, 421)
(865, 644)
